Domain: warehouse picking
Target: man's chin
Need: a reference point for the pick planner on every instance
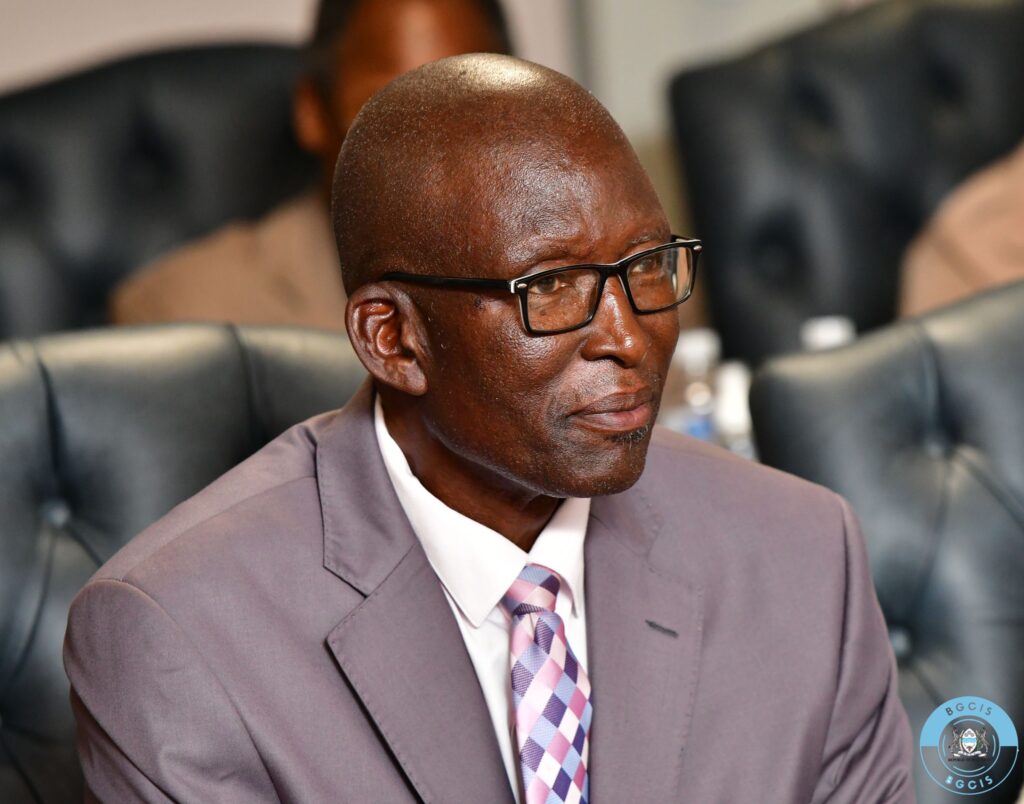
(610, 471)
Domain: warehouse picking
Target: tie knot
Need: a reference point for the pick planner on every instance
(534, 590)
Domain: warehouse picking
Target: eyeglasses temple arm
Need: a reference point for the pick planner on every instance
(446, 281)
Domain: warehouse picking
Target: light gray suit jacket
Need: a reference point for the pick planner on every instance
(282, 636)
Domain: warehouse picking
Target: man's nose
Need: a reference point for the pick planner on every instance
(616, 331)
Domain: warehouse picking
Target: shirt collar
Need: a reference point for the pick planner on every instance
(475, 564)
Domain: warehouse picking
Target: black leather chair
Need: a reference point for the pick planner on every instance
(104, 170)
(101, 433)
(921, 426)
(812, 162)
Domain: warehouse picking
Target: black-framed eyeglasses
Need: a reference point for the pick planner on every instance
(563, 299)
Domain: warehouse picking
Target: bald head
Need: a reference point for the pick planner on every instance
(489, 168)
(447, 156)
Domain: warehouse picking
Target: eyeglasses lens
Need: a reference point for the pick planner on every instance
(563, 300)
(659, 280)
(566, 299)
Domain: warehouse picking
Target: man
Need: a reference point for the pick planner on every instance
(974, 242)
(480, 580)
(283, 269)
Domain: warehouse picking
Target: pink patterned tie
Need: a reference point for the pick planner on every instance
(550, 693)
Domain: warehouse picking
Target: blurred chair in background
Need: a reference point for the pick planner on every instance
(101, 433)
(102, 171)
(812, 162)
(283, 269)
(920, 427)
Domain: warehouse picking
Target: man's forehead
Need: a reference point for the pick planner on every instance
(525, 208)
(580, 246)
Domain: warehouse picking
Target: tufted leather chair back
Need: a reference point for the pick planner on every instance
(812, 162)
(101, 433)
(921, 426)
(102, 171)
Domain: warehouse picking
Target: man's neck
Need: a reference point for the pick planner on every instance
(473, 490)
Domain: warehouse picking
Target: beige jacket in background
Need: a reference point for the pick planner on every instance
(975, 241)
(282, 269)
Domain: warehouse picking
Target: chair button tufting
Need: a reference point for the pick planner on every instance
(899, 638)
(56, 513)
(937, 445)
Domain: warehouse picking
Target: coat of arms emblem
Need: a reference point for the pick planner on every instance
(968, 743)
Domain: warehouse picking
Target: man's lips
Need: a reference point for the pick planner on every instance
(620, 412)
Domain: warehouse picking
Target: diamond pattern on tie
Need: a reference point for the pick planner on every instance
(550, 694)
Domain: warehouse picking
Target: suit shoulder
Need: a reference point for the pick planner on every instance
(726, 505)
(263, 481)
(749, 536)
(673, 457)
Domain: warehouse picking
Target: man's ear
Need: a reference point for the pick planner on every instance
(385, 329)
(313, 126)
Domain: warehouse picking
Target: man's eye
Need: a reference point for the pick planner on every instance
(646, 266)
(547, 285)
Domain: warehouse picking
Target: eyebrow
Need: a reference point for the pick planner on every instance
(649, 236)
(646, 237)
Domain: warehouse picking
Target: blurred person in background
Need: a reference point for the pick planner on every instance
(283, 269)
(974, 242)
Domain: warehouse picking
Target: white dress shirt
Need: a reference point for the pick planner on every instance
(477, 565)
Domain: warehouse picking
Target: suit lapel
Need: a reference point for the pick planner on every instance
(644, 636)
(401, 649)
(419, 686)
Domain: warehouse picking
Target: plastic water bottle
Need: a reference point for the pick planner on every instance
(733, 427)
(688, 403)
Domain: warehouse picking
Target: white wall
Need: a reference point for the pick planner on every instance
(41, 39)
